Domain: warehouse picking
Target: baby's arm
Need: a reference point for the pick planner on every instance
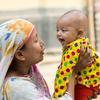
(64, 73)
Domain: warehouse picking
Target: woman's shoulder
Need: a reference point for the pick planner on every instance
(22, 88)
(19, 87)
(18, 82)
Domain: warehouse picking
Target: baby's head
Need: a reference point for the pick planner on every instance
(71, 26)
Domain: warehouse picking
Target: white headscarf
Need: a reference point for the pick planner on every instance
(12, 35)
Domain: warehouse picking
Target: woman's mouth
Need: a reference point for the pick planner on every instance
(43, 49)
(42, 52)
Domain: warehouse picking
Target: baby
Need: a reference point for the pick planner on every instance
(71, 30)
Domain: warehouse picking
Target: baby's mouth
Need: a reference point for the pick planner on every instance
(62, 41)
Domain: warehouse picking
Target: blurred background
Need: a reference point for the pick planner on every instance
(44, 14)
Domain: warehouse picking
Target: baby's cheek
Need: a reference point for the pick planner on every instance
(67, 32)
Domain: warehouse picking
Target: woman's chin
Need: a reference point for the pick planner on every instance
(40, 59)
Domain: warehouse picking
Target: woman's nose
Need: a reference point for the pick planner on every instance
(42, 44)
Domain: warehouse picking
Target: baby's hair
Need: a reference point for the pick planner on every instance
(79, 17)
(74, 11)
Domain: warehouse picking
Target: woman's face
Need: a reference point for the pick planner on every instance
(34, 49)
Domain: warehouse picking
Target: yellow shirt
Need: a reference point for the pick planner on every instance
(89, 76)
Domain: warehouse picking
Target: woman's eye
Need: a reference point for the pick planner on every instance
(36, 40)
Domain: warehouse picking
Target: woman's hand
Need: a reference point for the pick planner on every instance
(85, 58)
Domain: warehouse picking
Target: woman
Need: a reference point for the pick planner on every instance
(20, 50)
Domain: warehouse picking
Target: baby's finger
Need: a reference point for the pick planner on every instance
(89, 52)
(82, 50)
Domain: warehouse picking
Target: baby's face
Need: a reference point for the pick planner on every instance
(66, 31)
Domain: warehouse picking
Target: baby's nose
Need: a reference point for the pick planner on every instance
(59, 33)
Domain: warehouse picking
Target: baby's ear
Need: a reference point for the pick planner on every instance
(81, 33)
(19, 55)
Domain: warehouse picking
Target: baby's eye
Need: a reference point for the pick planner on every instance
(57, 30)
(64, 30)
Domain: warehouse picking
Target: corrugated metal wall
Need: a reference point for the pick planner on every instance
(97, 23)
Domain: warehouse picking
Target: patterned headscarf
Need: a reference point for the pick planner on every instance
(13, 34)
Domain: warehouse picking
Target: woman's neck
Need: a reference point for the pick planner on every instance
(18, 70)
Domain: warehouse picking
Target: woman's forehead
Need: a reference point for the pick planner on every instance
(34, 33)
